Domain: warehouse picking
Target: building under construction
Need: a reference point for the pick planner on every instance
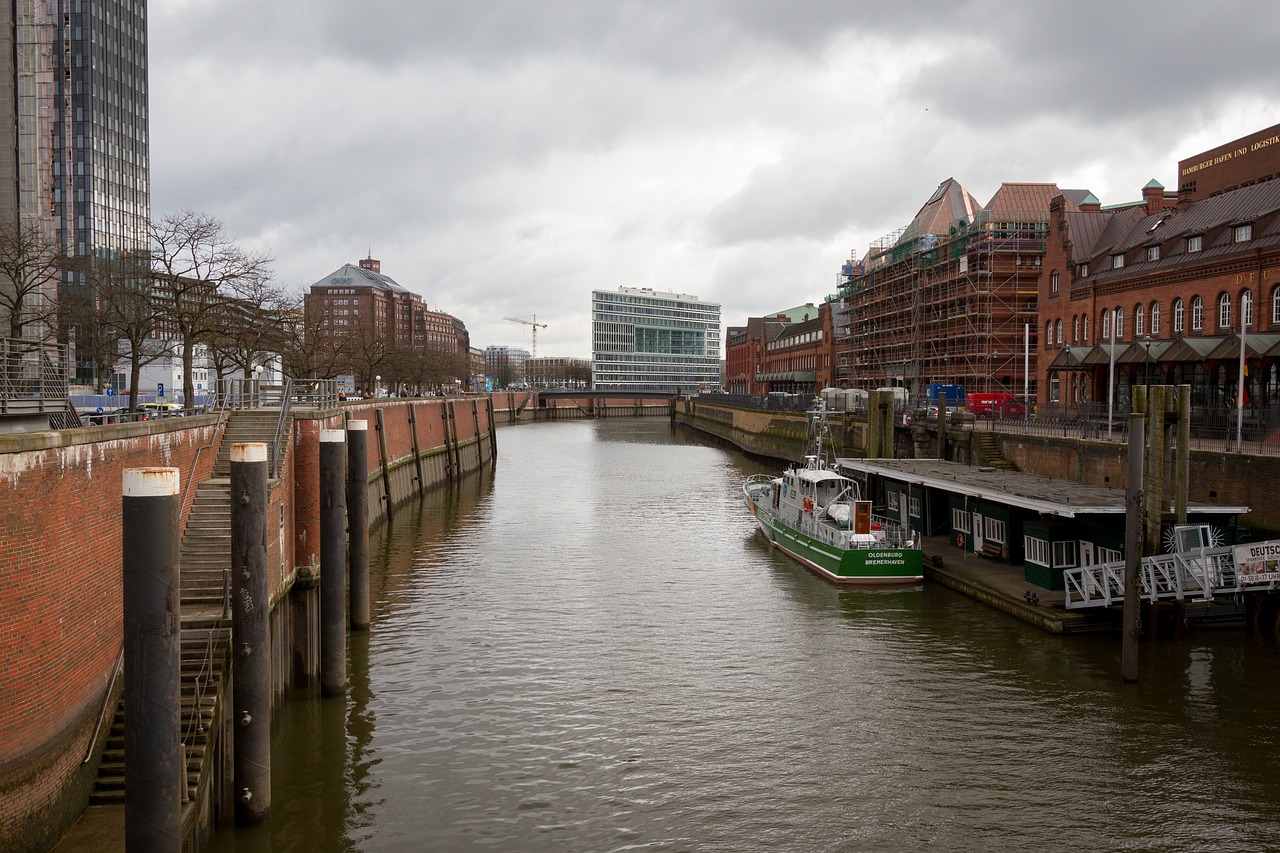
(951, 298)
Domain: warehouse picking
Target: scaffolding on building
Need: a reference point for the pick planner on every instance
(948, 309)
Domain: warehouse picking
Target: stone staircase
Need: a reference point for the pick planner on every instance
(204, 647)
(206, 634)
(988, 451)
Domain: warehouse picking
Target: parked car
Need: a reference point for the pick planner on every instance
(103, 416)
(160, 410)
(997, 405)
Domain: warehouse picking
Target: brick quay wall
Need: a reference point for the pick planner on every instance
(60, 554)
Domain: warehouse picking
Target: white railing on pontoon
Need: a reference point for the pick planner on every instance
(1200, 574)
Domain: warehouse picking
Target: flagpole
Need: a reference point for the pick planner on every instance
(1111, 374)
(1240, 388)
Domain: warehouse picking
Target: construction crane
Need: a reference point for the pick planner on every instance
(536, 325)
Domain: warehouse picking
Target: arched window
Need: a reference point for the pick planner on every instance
(1053, 283)
(1119, 323)
(1059, 332)
(1155, 319)
(1105, 325)
(1139, 317)
(1197, 314)
(1075, 326)
(1086, 329)
(1224, 311)
(1275, 306)
(1179, 317)
(1048, 334)
(1246, 309)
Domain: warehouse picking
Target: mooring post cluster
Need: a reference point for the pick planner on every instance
(155, 766)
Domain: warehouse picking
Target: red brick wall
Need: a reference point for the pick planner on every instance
(61, 595)
(305, 467)
(60, 559)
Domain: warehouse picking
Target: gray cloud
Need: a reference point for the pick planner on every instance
(506, 158)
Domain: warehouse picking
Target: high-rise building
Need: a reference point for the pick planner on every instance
(76, 161)
(646, 340)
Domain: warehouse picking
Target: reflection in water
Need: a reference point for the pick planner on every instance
(589, 649)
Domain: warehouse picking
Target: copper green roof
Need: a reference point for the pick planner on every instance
(1153, 184)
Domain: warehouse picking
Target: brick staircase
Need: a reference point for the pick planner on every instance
(205, 634)
(989, 455)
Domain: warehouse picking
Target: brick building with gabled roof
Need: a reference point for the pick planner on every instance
(951, 298)
(364, 318)
(1169, 280)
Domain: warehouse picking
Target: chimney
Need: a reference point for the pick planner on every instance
(371, 265)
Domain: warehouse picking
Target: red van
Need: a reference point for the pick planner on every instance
(997, 405)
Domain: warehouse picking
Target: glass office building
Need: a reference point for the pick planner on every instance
(78, 161)
(647, 340)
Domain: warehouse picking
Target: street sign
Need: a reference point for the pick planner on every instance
(159, 389)
(111, 392)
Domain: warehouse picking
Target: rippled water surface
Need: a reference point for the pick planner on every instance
(588, 649)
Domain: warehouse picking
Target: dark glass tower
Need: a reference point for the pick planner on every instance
(78, 164)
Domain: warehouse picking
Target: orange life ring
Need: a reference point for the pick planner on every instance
(808, 505)
(960, 540)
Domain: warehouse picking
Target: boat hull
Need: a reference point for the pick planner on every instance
(853, 566)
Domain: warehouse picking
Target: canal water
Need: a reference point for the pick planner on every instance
(589, 649)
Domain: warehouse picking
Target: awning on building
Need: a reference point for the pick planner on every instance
(1255, 346)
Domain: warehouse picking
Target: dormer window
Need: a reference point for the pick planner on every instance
(1243, 233)
(1194, 242)
(1153, 253)
(1117, 260)
(1083, 270)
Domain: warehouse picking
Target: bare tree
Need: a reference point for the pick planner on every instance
(368, 354)
(306, 351)
(125, 305)
(95, 339)
(256, 321)
(197, 267)
(29, 265)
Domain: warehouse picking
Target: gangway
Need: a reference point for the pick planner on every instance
(1198, 575)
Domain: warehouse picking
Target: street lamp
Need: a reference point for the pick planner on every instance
(377, 381)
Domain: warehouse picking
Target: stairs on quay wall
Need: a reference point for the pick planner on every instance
(989, 455)
(206, 634)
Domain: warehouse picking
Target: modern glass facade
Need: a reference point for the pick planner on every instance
(101, 163)
(79, 165)
(646, 340)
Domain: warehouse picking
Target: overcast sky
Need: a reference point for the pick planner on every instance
(506, 158)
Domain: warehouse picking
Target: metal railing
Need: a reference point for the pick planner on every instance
(34, 375)
(1210, 431)
(1202, 575)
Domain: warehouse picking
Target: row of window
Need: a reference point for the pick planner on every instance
(1194, 243)
(786, 342)
(1146, 321)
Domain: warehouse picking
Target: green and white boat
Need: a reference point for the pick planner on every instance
(816, 515)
